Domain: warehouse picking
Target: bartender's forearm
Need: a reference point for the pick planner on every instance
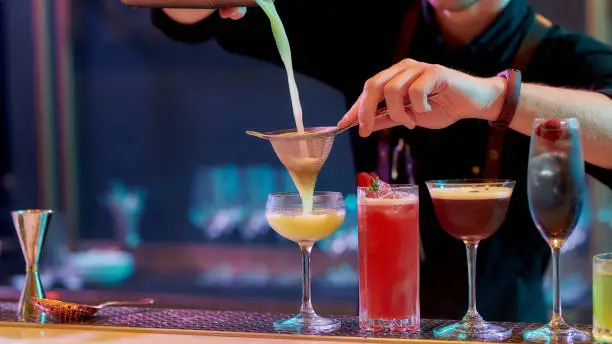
(593, 110)
(188, 16)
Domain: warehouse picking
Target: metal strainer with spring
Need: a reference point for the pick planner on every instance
(300, 152)
(311, 148)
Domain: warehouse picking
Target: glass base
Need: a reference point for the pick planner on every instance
(390, 325)
(602, 335)
(473, 330)
(561, 333)
(307, 323)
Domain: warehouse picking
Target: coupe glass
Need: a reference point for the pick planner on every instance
(471, 211)
(287, 217)
(555, 190)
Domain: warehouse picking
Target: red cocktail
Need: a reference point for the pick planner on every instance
(471, 211)
(389, 258)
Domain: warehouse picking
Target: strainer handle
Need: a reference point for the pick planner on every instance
(384, 111)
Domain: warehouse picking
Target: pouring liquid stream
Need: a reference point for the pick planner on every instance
(303, 173)
(284, 49)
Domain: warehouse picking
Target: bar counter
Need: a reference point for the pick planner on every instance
(160, 325)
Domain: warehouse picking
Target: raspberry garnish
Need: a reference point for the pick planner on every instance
(550, 130)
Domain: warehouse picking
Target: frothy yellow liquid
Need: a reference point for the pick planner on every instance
(300, 227)
(304, 172)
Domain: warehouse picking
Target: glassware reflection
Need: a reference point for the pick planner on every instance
(259, 183)
(125, 206)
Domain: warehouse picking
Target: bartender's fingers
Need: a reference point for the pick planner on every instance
(383, 122)
(395, 94)
(373, 93)
(429, 82)
(380, 123)
(232, 12)
(351, 115)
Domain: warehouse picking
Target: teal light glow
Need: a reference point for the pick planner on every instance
(350, 201)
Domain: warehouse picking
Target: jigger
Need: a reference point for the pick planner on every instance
(31, 226)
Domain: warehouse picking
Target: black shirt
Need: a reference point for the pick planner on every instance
(344, 45)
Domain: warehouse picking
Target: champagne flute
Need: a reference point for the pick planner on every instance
(555, 190)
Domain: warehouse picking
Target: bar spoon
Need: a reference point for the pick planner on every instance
(71, 310)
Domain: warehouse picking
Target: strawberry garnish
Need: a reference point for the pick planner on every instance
(383, 187)
(550, 130)
(367, 180)
(375, 186)
(364, 180)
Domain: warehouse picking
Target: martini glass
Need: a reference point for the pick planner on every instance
(471, 211)
(555, 191)
(287, 217)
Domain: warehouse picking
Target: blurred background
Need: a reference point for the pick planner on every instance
(131, 138)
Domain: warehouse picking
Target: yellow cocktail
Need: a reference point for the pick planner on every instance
(301, 227)
(286, 215)
(602, 297)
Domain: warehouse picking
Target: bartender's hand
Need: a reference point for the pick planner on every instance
(233, 12)
(411, 82)
(192, 16)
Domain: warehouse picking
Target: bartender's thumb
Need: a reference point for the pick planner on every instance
(232, 12)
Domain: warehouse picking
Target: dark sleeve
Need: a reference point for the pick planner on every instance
(195, 33)
(324, 36)
(579, 62)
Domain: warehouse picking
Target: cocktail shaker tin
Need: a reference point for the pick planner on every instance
(209, 4)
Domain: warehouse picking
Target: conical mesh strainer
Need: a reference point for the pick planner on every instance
(304, 154)
(297, 149)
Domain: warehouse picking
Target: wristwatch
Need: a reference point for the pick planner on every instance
(511, 98)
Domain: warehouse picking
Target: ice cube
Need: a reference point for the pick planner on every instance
(545, 169)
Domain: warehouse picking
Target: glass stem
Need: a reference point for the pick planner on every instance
(557, 318)
(471, 248)
(306, 309)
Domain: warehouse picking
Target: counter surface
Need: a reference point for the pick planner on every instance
(29, 335)
(21, 335)
(138, 325)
